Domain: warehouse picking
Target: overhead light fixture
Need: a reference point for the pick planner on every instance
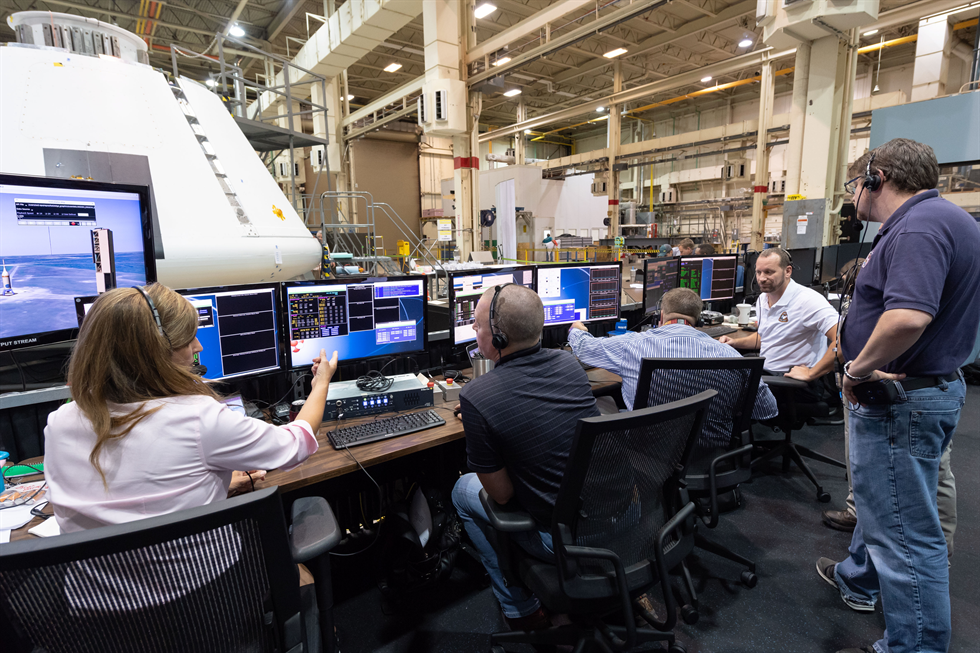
(350, 97)
(600, 108)
(209, 82)
(527, 131)
(501, 61)
(484, 10)
(392, 67)
(870, 32)
(615, 53)
(745, 43)
(706, 79)
(236, 31)
(512, 92)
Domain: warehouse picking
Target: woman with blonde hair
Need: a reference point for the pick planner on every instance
(144, 436)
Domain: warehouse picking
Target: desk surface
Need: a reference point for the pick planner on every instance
(329, 463)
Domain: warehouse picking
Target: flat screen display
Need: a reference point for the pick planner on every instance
(712, 277)
(659, 276)
(61, 239)
(238, 327)
(466, 288)
(579, 292)
(361, 318)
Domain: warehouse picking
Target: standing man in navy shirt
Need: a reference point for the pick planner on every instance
(913, 320)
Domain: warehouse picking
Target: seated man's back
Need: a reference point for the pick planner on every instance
(520, 420)
(676, 338)
(522, 416)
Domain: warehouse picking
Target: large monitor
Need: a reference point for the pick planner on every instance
(659, 276)
(579, 292)
(61, 239)
(238, 327)
(712, 277)
(467, 286)
(804, 265)
(358, 318)
(828, 263)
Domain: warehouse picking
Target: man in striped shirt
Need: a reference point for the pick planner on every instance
(676, 338)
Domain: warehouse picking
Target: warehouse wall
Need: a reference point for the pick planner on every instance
(389, 171)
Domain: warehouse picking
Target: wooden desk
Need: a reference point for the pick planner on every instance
(329, 463)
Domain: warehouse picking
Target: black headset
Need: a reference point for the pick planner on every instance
(156, 314)
(499, 339)
(872, 180)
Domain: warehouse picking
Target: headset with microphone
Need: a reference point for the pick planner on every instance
(499, 339)
(872, 180)
(197, 368)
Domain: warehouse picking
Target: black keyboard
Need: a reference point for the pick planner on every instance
(382, 429)
(718, 331)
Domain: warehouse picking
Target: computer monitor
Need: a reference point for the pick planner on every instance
(659, 275)
(238, 327)
(467, 286)
(849, 253)
(579, 292)
(804, 264)
(828, 263)
(712, 277)
(66, 238)
(358, 318)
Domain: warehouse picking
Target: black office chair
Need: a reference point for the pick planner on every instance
(793, 414)
(722, 457)
(622, 521)
(221, 577)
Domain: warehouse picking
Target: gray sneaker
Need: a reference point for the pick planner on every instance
(825, 567)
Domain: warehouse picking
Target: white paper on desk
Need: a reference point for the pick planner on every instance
(48, 528)
(15, 517)
(638, 286)
(421, 517)
(4, 536)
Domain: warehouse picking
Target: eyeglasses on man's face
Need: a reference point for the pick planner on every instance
(851, 186)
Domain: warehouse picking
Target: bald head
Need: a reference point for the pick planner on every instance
(518, 313)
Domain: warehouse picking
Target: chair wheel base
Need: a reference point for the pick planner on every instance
(689, 614)
(676, 647)
(749, 579)
(823, 497)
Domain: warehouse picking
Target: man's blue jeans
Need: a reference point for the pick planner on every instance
(514, 601)
(898, 549)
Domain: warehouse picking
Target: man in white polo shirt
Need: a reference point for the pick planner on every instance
(797, 326)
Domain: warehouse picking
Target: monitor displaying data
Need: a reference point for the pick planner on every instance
(466, 288)
(238, 327)
(61, 239)
(360, 318)
(712, 277)
(659, 276)
(579, 292)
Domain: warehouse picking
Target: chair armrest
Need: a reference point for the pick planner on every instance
(676, 522)
(784, 382)
(315, 530)
(508, 518)
(713, 480)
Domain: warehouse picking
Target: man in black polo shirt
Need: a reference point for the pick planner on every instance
(913, 320)
(519, 420)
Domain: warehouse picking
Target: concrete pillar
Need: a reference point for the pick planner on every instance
(450, 26)
(794, 151)
(762, 158)
(614, 138)
(825, 92)
(520, 139)
(931, 58)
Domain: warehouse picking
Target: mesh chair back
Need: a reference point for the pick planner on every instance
(736, 380)
(197, 580)
(619, 486)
